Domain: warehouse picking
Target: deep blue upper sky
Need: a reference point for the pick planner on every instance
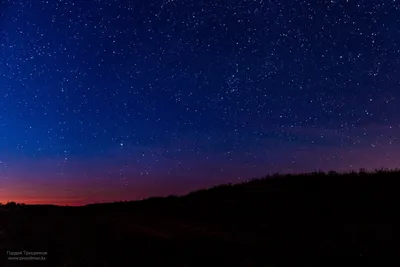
(192, 92)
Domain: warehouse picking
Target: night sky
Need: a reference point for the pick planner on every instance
(122, 100)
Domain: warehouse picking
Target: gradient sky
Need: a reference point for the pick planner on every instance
(121, 100)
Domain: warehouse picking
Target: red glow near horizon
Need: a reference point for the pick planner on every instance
(84, 182)
(74, 191)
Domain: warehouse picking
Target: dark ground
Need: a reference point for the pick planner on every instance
(304, 220)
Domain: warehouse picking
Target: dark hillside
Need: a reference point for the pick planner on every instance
(312, 219)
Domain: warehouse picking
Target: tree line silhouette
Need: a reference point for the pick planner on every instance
(312, 219)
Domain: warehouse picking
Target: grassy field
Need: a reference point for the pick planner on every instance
(304, 220)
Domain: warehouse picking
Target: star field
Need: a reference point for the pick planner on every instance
(119, 100)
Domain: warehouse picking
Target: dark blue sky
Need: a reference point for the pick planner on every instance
(108, 100)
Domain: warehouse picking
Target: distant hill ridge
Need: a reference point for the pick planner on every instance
(314, 219)
(292, 192)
